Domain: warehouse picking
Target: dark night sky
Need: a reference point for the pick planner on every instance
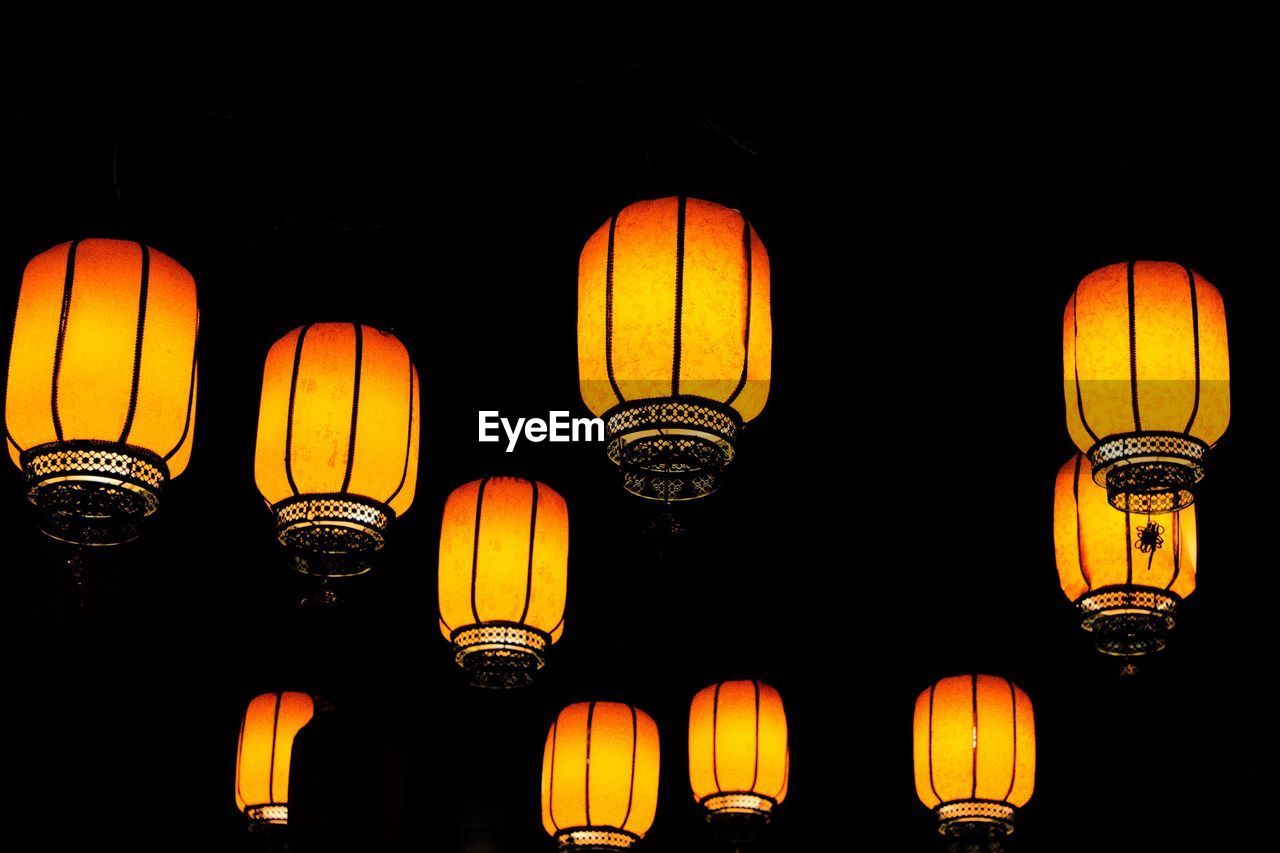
(929, 184)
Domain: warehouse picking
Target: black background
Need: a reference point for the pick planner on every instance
(929, 183)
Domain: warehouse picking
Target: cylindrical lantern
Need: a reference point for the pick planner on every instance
(975, 753)
(504, 558)
(739, 758)
(1144, 355)
(674, 340)
(337, 451)
(264, 752)
(1126, 572)
(102, 385)
(600, 776)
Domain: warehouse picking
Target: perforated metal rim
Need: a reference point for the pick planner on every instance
(1149, 472)
(334, 535)
(1128, 621)
(963, 817)
(600, 838)
(93, 493)
(671, 449)
(270, 814)
(500, 654)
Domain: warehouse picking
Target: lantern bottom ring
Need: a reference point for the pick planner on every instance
(591, 838)
(500, 654)
(988, 818)
(93, 492)
(334, 535)
(738, 816)
(1149, 471)
(267, 816)
(671, 449)
(1128, 621)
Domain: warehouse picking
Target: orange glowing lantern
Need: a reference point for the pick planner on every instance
(504, 558)
(674, 340)
(264, 753)
(1126, 572)
(102, 385)
(739, 756)
(337, 449)
(1144, 352)
(975, 754)
(600, 776)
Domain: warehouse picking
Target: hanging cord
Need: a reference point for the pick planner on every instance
(75, 565)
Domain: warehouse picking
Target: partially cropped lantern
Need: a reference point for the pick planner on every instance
(504, 557)
(102, 385)
(674, 340)
(1127, 572)
(337, 450)
(739, 757)
(975, 754)
(1146, 379)
(264, 753)
(600, 776)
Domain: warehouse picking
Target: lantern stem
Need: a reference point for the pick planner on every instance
(75, 564)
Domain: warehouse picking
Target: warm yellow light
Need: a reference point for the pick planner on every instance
(673, 305)
(504, 558)
(102, 378)
(975, 751)
(1146, 378)
(1127, 571)
(600, 776)
(337, 447)
(738, 753)
(264, 753)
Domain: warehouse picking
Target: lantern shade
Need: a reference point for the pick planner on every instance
(738, 754)
(264, 752)
(673, 307)
(102, 379)
(1126, 571)
(1146, 379)
(974, 747)
(337, 446)
(504, 558)
(600, 776)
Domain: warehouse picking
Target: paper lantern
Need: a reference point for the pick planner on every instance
(739, 756)
(337, 449)
(264, 752)
(504, 558)
(1126, 572)
(600, 776)
(975, 753)
(102, 385)
(674, 340)
(1147, 381)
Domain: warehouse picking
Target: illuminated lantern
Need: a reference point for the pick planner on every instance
(674, 340)
(739, 760)
(1126, 572)
(337, 451)
(1146, 377)
(975, 754)
(102, 385)
(264, 752)
(504, 557)
(600, 776)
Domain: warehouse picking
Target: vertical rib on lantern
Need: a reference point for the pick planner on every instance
(504, 557)
(674, 340)
(600, 776)
(101, 391)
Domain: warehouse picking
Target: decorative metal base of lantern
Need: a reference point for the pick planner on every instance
(738, 817)
(500, 654)
(265, 818)
(1128, 621)
(332, 535)
(1149, 472)
(671, 450)
(595, 839)
(965, 819)
(93, 492)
